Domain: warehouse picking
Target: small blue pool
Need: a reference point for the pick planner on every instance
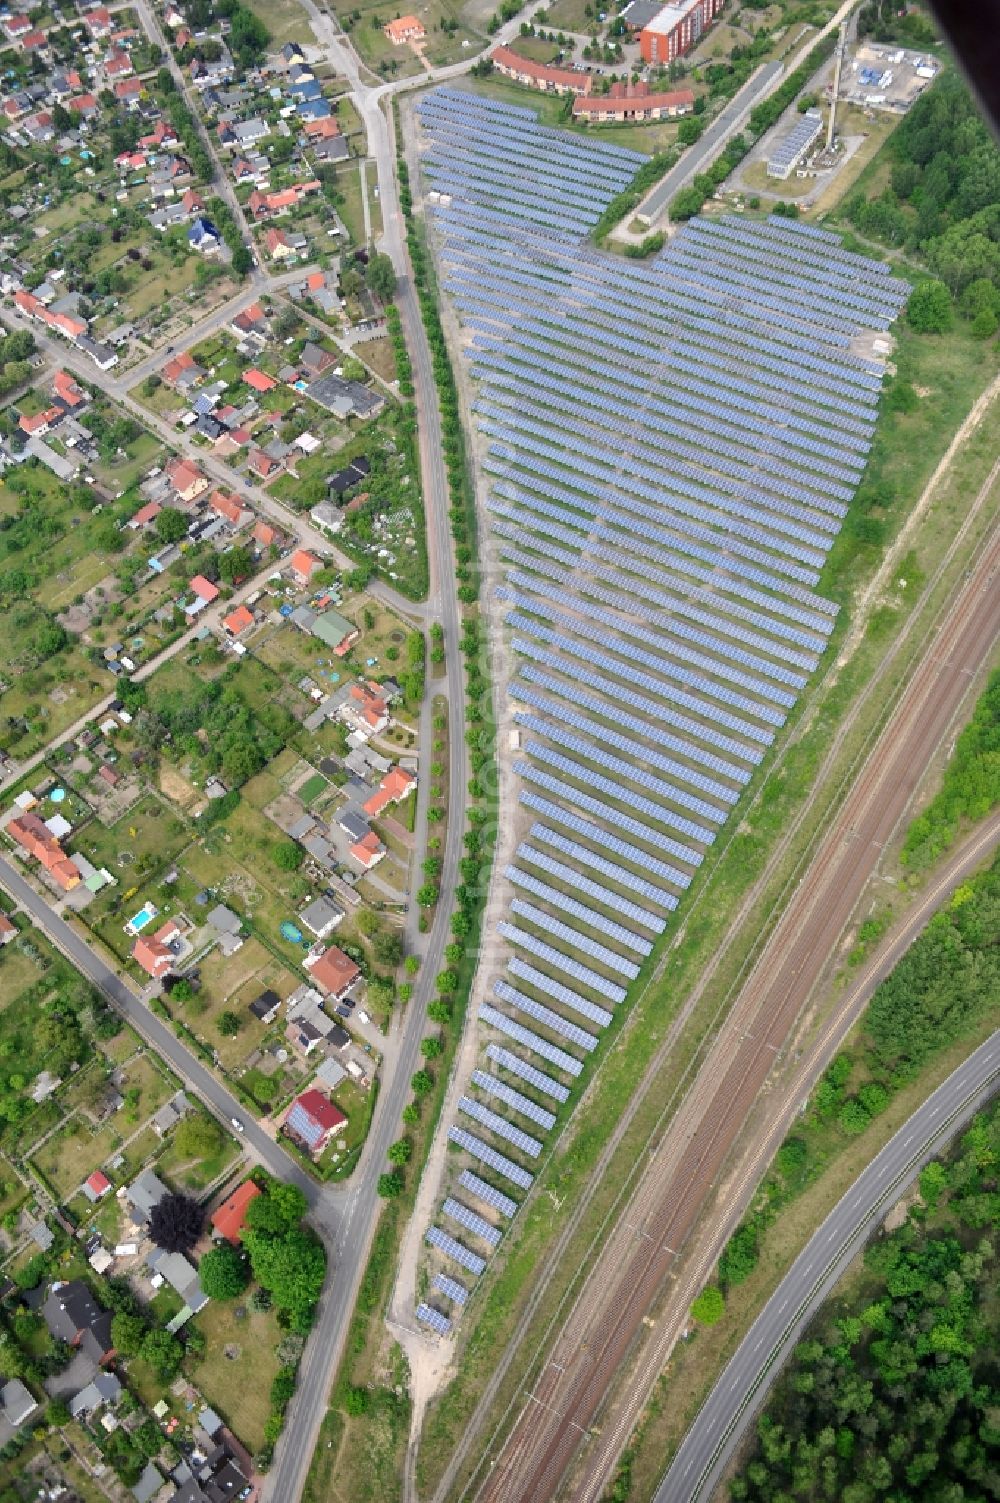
(57, 795)
(145, 916)
(289, 932)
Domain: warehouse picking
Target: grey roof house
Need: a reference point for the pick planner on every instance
(73, 1315)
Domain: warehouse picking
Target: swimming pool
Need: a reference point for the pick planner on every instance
(145, 916)
(57, 795)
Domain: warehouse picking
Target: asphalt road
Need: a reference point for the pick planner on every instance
(195, 1075)
(744, 1385)
(708, 146)
(644, 1247)
(356, 1228)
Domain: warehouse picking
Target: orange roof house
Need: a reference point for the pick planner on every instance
(204, 589)
(539, 75)
(33, 836)
(303, 566)
(370, 706)
(186, 479)
(323, 129)
(368, 852)
(228, 1220)
(394, 787)
(404, 29)
(145, 515)
(154, 954)
(238, 621)
(228, 506)
(264, 534)
(333, 971)
(66, 390)
(41, 422)
(259, 380)
(176, 367)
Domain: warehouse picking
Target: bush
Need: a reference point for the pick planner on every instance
(710, 1306)
(930, 308)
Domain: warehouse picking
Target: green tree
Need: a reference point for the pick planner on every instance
(170, 525)
(930, 308)
(127, 1333)
(390, 1186)
(381, 276)
(198, 1135)
(421, 1083)
(288, 855)
(400, 1152)
(431, 1048)
(291, 1266)
(163, 1352)
(235, 564)
(278, 1210)
(229, 1024)
(223, 1272)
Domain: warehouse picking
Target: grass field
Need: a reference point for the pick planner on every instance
(238, 1386)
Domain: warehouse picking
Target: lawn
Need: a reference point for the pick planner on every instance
(238, 1385)
(196, 1174)
(378, 355)
(350, 210)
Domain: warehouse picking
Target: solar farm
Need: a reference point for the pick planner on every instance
(671, 448)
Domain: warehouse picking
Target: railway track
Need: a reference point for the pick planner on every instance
(643, 1249)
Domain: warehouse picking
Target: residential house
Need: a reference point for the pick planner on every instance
(312, 1120)
(103, 1389)
(155, 953)
(263, 465)
(344, 398)
(73, 1315)
(186, 479)
(264, 535)
(230, 508)
(265, 1008)
(204, 593)
(229, 1218)
(238, 621)
(280, 246)
(394, 787)
(68, 394)
(332, 971)
(170, 1113)
(252, 320)
(33, 835)
(203, 236)
(320, 916)
(143, 1195)
(183, 371)
(145, 516)
(368, 851)
(404, 29)
(227, 924)
(176, 1270)
(365, 709)
(8, 929)
(17, 1406)
(303, 566)
(259, 381)
(130, 92)
(96, 1185)
(637, 101)
(351, 475)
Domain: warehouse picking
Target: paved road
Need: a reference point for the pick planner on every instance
(740, 1392)
(293, 1455)
(708, 146)
(599, 1332)
(195, 1075)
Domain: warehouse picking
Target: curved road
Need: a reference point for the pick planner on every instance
(740, 1392)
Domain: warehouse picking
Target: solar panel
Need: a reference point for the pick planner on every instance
(583, 856)
(516, 1100)
(450, 1288)
(568, 905)
(477, 1225)
(454, 1249)
(545, 1015)
(520, 1067)
(582, 973)
(536, 916)
(433, 1318)
(489, 1156)
(499, 1125)
(533, 1041)
(487, 1193)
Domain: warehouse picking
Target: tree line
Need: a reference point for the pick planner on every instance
(893, 1392)
(969, 789)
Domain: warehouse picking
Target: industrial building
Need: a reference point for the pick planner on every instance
(675, 29)
(788, 152)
